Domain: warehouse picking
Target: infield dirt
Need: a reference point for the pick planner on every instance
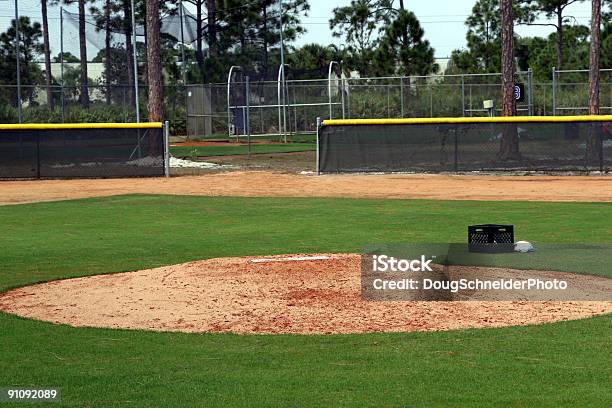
(273, 184)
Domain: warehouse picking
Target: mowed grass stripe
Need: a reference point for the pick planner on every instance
(203, 151)
(562, 364)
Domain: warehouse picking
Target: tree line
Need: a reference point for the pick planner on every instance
(379, 37)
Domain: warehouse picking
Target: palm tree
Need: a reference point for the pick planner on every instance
(507, 59)
(594, 57)
(595, 150)
(509, 147)
(154, 72)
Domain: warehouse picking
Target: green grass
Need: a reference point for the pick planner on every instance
(230, 149)
(294, 137)
(561, 364)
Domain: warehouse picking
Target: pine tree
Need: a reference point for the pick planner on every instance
(154, 71)
(553, 9)
(509, 146)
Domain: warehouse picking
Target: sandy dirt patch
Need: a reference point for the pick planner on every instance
(262, 183)
(272, 296)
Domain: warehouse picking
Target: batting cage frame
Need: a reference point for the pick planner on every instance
(465, 144)
(84, 150)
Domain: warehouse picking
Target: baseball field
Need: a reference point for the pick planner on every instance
(74, 229)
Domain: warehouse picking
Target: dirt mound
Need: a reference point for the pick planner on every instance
(279, 294)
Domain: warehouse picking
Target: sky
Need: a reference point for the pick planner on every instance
(442, 20)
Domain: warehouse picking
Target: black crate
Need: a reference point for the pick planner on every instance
(491, 238)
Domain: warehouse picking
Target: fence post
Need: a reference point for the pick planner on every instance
(248, 115)
(329, 86)
(166, 131)
(282, 96)
(62, 61)
(123, 103)
(279, 99)
(318, 128)
(342, 94)
(229, 98)
(243, 130)
(601, 150)
(456, 159)
(554, 92)
(471, 110)
(529, 92)
(462, 96)
(388, 101)
(431, 101)
(402, 96)
(295, 111)
(286, 111)
(348, 97)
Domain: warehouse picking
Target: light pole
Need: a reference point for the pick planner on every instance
(329, 87)
(280, 22)
(282, 124)
(282, 64)
(17, 58)
(182, 45)
(136, 95)
(62, 58)
(229, 96)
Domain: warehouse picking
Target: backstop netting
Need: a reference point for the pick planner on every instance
(84, 150)
(521, 143)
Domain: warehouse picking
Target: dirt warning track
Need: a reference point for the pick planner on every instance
(271, 184)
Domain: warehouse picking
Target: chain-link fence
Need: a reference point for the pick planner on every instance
(114, 103)
(570, 92)
(430, 96)
(206, 110)
(273, 109)
(220, 110)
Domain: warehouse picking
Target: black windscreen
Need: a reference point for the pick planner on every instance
(75, 153)
(540, 146)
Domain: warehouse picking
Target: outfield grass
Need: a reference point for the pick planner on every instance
(561, 364)
(201, 151)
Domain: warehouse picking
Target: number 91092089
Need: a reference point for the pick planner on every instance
(29, 394)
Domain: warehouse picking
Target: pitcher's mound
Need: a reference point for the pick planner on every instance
(277, 294)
